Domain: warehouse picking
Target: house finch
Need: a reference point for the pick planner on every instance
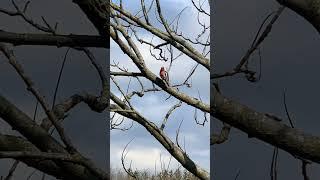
(164, 75)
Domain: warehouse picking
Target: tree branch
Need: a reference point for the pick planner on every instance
(138, 60)
(71, 40)
(35, 134)
(309, 9)
(265, 128)
(173, 149)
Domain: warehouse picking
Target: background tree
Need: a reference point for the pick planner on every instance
(272, 87)
(53, 107)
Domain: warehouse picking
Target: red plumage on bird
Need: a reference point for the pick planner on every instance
(164, 75)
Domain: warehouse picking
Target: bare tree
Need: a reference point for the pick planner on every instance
(59, 156)
(264, 126)
(33, 141)
(135, 78)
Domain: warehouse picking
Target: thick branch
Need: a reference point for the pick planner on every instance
(139, 61)
(222, 137)
(174, 40)
(53, 40)
(13, 143)
(173, 149)
(309, 9)
(265, 128)
(30, 87)
(69, 103)
(133, 74)
(40, 156)
(97, 12)
(35, 134)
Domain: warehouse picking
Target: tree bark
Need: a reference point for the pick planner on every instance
(309, 9)
(266, 128)
(19, 121)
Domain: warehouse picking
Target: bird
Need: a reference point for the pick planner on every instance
(164, 75)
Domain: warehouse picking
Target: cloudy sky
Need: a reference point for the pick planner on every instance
(290, 60)
(145, 151)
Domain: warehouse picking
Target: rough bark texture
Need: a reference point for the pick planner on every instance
(97, 12)
(157, 133)
(53, 40)
(265, 128)
(39, 137)
(309, 9)
(13, 143)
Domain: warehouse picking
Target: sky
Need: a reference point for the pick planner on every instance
(154, 106)
(290, 60)
(87, 129)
